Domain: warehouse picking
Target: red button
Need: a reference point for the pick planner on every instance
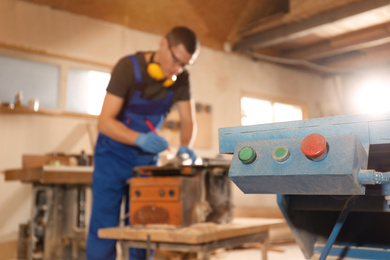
(314, 146)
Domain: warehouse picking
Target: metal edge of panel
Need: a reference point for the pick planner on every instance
(229, 136)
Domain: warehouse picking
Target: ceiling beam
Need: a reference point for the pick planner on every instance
(308, 26)
(369, 58)
(297, 10)
(366, 38)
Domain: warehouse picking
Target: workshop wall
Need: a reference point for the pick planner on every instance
(218, 79)
(33, 134)
(361, 91)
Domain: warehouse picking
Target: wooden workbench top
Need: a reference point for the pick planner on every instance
(194, 234)
(52, 174)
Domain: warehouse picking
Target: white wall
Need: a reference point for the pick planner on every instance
(33, 134)
(347, 87)
(217, 79)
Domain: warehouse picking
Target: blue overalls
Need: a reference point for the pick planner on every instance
(114, 163)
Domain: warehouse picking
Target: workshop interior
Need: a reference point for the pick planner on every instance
(292, 111)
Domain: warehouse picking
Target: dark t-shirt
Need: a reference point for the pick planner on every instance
(122, 82)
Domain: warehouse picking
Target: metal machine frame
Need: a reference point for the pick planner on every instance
(336, 206)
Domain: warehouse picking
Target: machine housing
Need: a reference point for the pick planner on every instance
(319, 197)
(180, 196)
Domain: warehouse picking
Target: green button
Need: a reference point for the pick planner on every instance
(281, 153)
(247, 155)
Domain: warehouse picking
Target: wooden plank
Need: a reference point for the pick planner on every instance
(52, 174)
(368, 58)
(361, 36)
(298, 10)
(67, 174)
(34, 161)
(310, 25)
(179, 169)
(194, 234)
(369, 37)
(8, 250)
(205, 248)
(28, 175)
(42, 112)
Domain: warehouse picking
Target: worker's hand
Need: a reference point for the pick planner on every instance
(186, 150)
(151, 143)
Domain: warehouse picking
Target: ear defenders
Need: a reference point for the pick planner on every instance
(155, 72)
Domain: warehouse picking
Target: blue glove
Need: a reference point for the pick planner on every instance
(187, 150)
(151, 143)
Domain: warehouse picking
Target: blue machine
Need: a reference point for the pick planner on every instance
(331, 176)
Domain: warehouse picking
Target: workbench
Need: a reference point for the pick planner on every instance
(56, 229)
(201, 238)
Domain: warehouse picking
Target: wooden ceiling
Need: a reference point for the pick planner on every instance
(328, 36)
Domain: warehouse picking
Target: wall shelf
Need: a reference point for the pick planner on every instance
(27, 111)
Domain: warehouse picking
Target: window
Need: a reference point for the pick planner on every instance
(256, 110)
(35, 80)
(86, 90)
(57, 83)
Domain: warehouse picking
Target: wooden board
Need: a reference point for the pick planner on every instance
(28, 175)
(52, 174)
(194, 234)
(67, 174)
(8, 250)
(34, 161)
(173, 170)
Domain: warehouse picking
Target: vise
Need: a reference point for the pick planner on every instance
(331, 176)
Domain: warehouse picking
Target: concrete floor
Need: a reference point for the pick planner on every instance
(276, 252)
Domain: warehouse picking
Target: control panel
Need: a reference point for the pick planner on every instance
(314, 164)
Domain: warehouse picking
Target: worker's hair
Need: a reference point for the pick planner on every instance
(183, 35)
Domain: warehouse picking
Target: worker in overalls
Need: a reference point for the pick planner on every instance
(142, 89)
